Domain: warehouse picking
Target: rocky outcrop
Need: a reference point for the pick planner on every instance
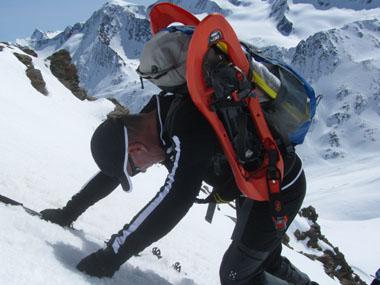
(27, 50)
(318, 55)
(279, 8)
(348, 77)
(32, 73)
(66, 73)
(334, 262)
(240, 3)
(104, 50)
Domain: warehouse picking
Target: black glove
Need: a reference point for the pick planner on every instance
(103, 263)
(57, 216)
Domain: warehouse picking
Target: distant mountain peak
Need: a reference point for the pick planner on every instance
(198, 6)
(38, 35)
(138, 10)
(346, 4)
(279, 8)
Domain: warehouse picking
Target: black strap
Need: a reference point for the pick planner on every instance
(241, 137)
(210, 212)
(279, 216)
(178, 100)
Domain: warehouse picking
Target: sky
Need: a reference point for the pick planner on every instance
(19, 18)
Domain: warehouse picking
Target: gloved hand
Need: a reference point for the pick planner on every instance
(102, 263)
(57, 216)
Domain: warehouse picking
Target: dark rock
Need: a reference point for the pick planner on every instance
(309, 213)
(342, 93)
(5, 43)
(240, 3)
(334, 262)
(1, 48)
(66, 72)
(312, 234)
(28, 50)
(337, 118)
(332, 154)
(32, 73)
(37, 80)
(334, 139)
(360, 104)
(317, 55)
(285, 27)
(37, 35)
(278, 10)
(25, 59)
(299, 235)
(286, 240)
(336, 265)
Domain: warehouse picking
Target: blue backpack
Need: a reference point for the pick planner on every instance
(292, 110)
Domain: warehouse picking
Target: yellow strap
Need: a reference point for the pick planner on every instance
(218, 198)
(223, 47)
(263, 85)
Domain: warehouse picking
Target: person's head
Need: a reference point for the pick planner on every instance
(123, 147)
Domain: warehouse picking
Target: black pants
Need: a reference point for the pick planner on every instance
(256, 246)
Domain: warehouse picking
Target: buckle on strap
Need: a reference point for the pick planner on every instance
(279, 218)
(280, 223)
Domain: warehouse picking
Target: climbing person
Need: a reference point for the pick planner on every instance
(172, 131)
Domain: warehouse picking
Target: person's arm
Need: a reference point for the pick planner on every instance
(161, 214)
(97, 188)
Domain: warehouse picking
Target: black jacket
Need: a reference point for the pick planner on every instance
(192, 156)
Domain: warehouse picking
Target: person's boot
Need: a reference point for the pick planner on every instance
(288, 272)
(102, 263)
(96, 189)
(62, 216)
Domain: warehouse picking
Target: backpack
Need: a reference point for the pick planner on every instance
(293, 109)
(255, 104)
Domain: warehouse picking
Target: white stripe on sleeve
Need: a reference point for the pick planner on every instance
(143, 215)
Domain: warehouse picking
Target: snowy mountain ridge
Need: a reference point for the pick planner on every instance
(348, 4)
(344, 67)
(104, 49)
(201, 6)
